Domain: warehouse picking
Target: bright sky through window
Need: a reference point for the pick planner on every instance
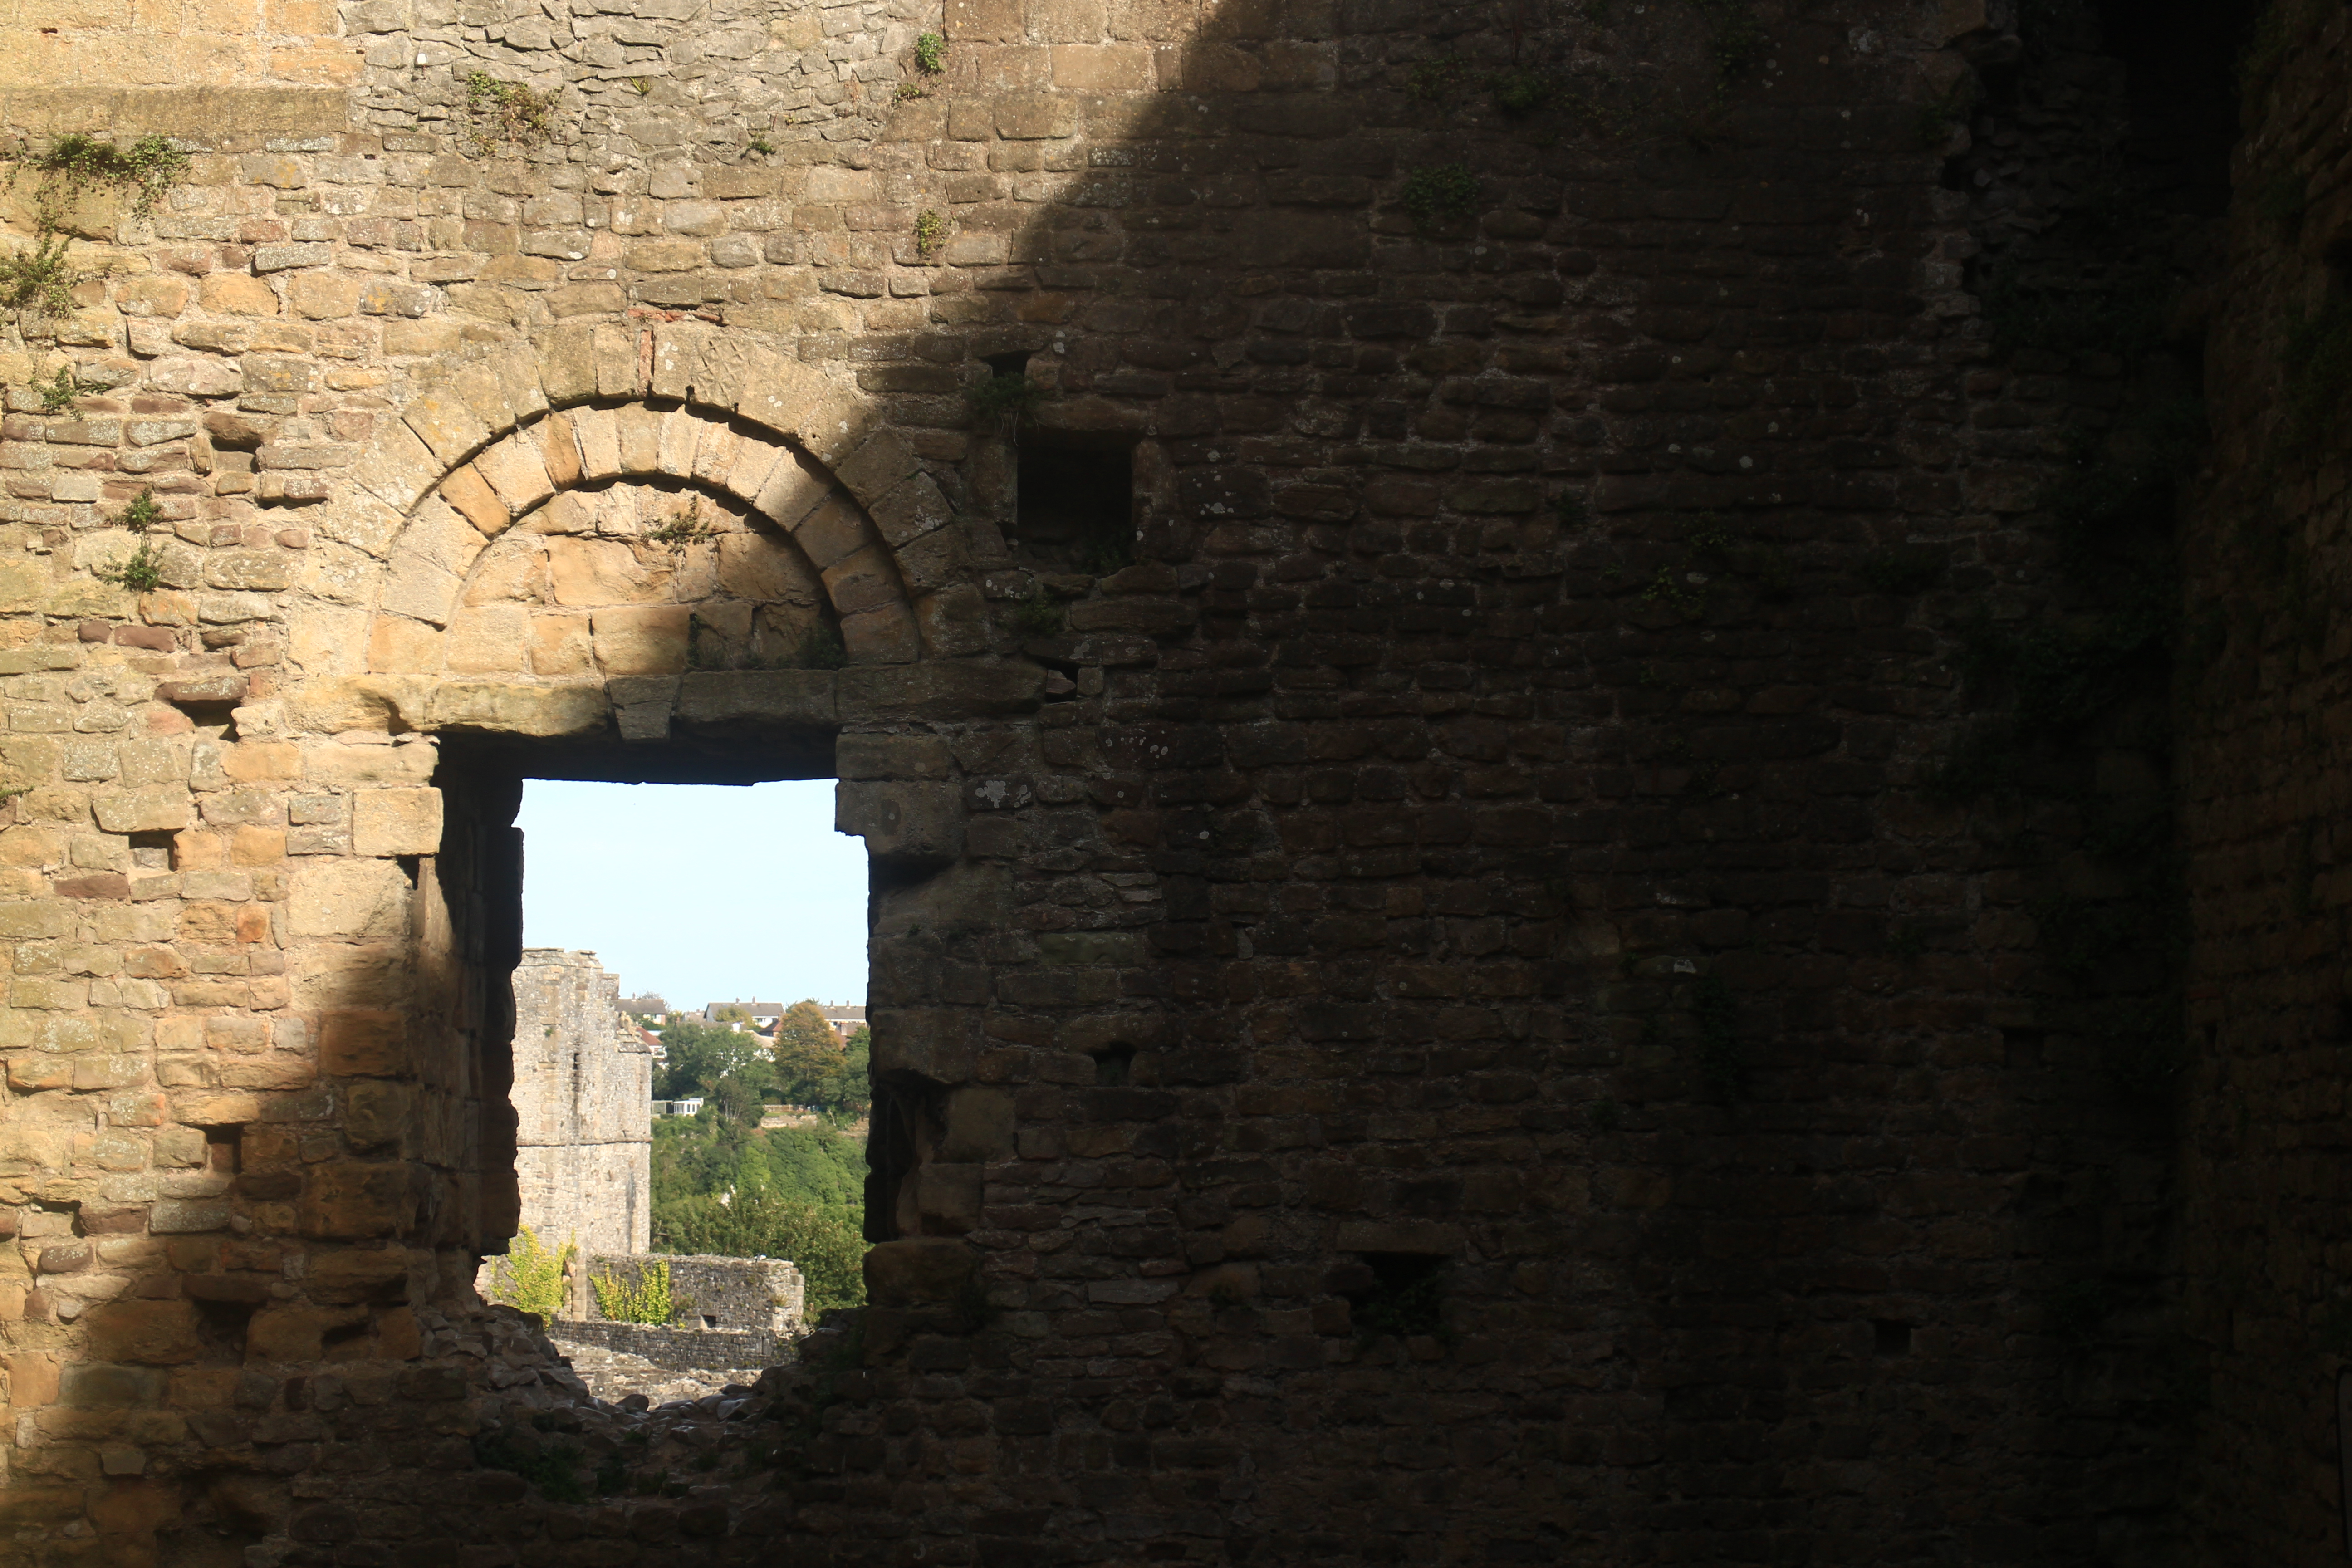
(698, 893)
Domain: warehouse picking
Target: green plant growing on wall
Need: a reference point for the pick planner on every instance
(820, 648)
(38, 281)
(1038, 615)
(1738, 39)
(529, 1278)
(76, 163)
(643, 1299)
(1004, 400)
(1105, 551)
(1672, 586)
(1518, 92)
(907, 91)
(1442, 80)
(642, 86)
(1439, 196)
(931, 232)
(144, 512)
(140, 571)
(510, 112)
(761, 145)
(684, 527)
(930, 53)
(59, 393)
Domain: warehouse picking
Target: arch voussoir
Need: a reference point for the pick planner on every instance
(500, 437)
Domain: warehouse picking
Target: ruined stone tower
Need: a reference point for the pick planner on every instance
(1597, 739)
(582, 1099)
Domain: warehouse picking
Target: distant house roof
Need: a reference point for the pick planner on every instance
(757, 1009)
(643, 1004)
(841, 1013)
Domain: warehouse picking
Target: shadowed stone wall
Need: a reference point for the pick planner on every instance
(2269, 1024)
(1434, 992)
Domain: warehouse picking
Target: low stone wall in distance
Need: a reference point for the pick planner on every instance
(712, 1293)
(675, 1349)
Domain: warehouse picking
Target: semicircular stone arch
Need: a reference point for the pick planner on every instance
(608, 503)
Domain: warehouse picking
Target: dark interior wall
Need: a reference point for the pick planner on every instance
(2262, 774)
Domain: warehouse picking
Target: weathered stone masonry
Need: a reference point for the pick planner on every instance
(1431, 1014)
(582, 1095)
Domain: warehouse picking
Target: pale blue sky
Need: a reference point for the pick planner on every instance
(700, 892)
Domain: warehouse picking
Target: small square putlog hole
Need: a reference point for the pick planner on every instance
(1405, 1295)
(1890, 1336)
(1077, 506)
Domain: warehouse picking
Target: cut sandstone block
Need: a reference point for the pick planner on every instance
(157, 808)
(650, 640)
(518, 709)
(789, 697)
(516, 472)
(351, 898)
(396, 822)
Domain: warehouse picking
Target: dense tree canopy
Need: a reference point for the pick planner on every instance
(722, 1186)
(700, 1055)
(803, 1028)
(829, 1254)
(813, 1067)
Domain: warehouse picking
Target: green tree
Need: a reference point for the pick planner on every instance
(835, 1079)
(735, 1098)
(803, 1027)
(529, 1278)
(823, 1244)
(699, 1056)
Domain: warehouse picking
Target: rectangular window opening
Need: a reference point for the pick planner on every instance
(671, 986)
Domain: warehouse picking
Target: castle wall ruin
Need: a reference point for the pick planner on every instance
(582, 1096)
(1555, 944)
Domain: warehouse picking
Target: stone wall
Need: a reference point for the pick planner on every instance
(676, 1350)
(1434, 994)
(582, 1096)
(2263, 790)
(712, 1293)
